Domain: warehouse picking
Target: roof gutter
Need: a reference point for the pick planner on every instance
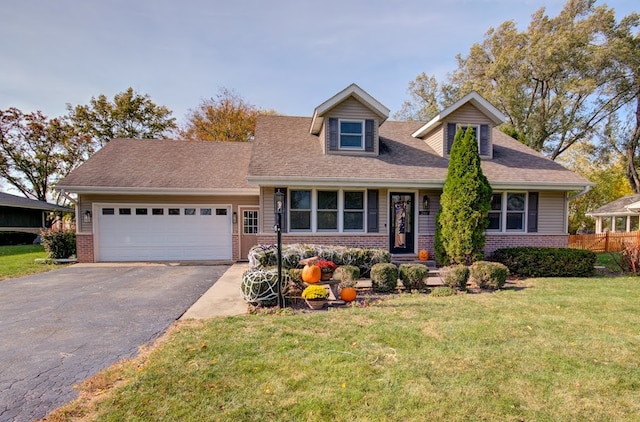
(159, 191)
(582, 192)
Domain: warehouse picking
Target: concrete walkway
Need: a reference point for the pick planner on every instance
(223, 298)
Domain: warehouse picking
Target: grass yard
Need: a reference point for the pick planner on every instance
(555, 349)
(18, 261)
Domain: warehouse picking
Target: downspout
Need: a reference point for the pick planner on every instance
(571, 198)
(582, 192)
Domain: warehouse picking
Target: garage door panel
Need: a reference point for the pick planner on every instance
(138, 236)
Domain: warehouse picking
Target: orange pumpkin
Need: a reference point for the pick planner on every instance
(348, 294)
(423, 255)
(311, 273)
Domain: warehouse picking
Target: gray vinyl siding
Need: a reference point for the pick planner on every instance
(435, 140)
(351, 109)
(467, 115)
(552, 213)
(427, 222)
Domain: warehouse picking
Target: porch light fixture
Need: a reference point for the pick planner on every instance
(425, 204)
(278, 206)
(86, 216)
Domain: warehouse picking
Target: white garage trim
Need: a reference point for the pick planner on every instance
(162, 232)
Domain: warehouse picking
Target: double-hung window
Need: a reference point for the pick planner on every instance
(351, 134)
(353, 214)
(300, 210)
(327, 211)
(508, 212)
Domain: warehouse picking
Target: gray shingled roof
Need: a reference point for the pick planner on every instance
(617, 206)
(159, 165)
(8, 200)
(284, 149)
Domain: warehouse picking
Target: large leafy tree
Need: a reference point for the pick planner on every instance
(225, 118)
(465, 204)
(557, 82)
(36, 151)
(129, 115)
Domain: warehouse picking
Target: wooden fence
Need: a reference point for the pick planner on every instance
(604, 242)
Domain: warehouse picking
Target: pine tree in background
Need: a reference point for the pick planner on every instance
(465, 204)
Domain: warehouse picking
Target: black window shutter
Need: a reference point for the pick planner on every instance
(532, 213)
(333, 134)
(284, 209)
(372, 211)
(368, 135)
(484, 139)
(451, 133)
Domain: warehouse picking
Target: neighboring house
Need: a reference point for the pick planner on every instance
(620, 215)
(349, 177)
(19, 214)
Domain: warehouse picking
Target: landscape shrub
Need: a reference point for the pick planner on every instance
(546, 262)
(262, 256)
(488, 275)
(16, 238)
(413, 276)
(455, 276)
(59, 244)
(630, 259)
(260, 286)
(442, 291)
(347, 274)
(384, 277)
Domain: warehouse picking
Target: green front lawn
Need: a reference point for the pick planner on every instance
(553, 349)
(18, 261)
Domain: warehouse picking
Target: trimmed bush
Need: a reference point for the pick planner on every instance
(488, 275)
(347, 275)
(412, 276)
(442, 291)
(455, 276)
(260, 287)
(384, 277)
(59, 244)
(546, 262)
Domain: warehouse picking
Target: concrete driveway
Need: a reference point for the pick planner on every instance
(62, 327)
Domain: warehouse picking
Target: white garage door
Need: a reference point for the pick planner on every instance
(163, 232)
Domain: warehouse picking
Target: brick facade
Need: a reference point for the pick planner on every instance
(498, 241)
(354, 241)
(84, 245)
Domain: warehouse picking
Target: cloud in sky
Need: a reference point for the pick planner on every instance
(286, 55)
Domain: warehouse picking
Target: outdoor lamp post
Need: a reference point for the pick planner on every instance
(278, 206)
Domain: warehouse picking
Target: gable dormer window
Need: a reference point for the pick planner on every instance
(483, 139)
(351, 134)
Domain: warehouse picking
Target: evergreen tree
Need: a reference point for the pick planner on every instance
(465, 203)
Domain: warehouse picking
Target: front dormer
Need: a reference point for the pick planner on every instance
(348, 122)
(470, 111)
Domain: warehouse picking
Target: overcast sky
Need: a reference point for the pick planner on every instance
(286, 55)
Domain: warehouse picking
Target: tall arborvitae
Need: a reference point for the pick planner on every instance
(465, 203)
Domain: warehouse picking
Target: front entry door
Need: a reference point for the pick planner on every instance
(402, 223)
(248, 231)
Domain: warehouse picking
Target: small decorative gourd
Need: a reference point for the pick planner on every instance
(311, 273)
(423, 255)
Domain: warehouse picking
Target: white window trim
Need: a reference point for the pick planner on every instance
(362, 137)
(314, 211)
(503, 213)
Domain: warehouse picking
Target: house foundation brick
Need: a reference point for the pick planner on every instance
(84, 246)
(355, 241)
(496, 241)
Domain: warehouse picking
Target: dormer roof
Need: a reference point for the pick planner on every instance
(476, 100)
(354, 91)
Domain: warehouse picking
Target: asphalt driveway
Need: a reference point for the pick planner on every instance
(61, 327)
